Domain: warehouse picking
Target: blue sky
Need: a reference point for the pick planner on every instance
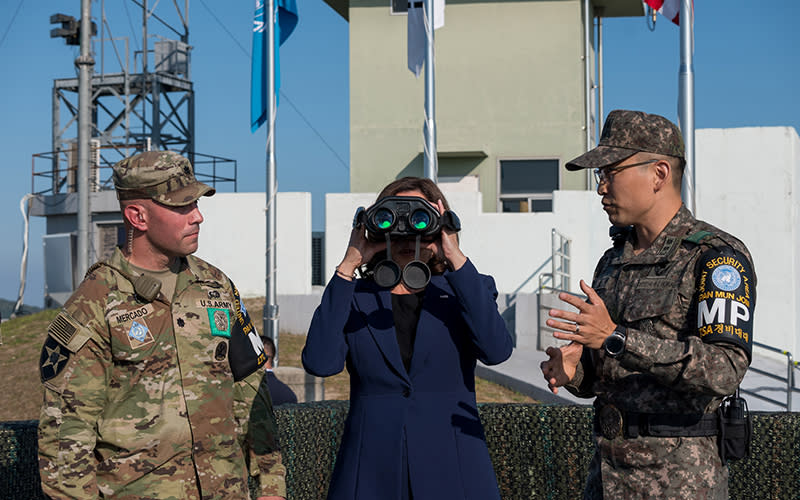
(746, 65)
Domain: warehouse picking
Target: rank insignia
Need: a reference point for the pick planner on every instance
(220, 322)
(53, 359)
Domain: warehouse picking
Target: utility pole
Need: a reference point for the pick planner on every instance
(85, 64)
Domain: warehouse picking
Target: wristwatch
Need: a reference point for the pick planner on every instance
(614, 344)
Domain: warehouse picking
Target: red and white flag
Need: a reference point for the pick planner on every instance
(671, 9)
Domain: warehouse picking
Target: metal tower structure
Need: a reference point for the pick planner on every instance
(133, 93)
(142, 96)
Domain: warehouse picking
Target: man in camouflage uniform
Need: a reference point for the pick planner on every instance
(666, 332)
(151, 370)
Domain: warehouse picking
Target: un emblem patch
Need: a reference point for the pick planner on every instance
(726, 278)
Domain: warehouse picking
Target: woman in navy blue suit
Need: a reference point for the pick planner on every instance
(413, 430)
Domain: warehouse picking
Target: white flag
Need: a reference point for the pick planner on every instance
(416, 31)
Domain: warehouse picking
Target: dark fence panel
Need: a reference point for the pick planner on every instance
(538, 451)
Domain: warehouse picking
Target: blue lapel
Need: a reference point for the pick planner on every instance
(376, 303)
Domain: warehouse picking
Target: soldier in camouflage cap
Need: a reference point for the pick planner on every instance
(151, 369)
(626, 133)
(667, 331)
(163, 176)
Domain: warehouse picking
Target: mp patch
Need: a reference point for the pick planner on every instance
(53, 359)
(220, 322)
(726, 298)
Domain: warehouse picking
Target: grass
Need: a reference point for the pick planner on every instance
(19, 365)
(22, 343)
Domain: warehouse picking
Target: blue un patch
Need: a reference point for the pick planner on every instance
(726, 278)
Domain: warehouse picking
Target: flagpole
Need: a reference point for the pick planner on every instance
(429, 129)
(271, 303)
(686, 101)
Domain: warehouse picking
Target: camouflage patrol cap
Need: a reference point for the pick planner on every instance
(626, 133)
(163, 176)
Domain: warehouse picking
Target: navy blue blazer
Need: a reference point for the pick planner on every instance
(278, 390)
(419, 427)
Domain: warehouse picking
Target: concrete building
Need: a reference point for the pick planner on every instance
(511, 96)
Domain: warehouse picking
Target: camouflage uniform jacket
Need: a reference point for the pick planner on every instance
(666, 367)
(140, 401)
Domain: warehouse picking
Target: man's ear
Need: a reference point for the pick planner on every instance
(136, 215)
(662, 172)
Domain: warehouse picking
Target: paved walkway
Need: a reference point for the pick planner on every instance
(521, 372)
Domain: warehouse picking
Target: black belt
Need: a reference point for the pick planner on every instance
(611, 422)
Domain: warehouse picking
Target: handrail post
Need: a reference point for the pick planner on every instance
(789, 382)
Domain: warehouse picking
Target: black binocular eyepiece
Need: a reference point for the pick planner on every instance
(404, 216)
(395, 217)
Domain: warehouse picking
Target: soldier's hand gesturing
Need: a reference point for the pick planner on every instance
(589, 326)
(562, 365)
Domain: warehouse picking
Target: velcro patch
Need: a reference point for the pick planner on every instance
(53, 359)
(118, 318)
(220, 322)
(139, 334)
(62, 328)
(726, 298)
(65, 330)
(134, 325)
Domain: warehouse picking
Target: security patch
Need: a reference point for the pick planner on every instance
(53, 359)
(220, 322)
(726, 298)
(246, 354)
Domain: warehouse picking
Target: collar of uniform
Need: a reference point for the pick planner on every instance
(119, 261)
(193, 265)
(665, 244)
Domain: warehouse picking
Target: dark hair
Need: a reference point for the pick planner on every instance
(269, 346)
(431, 192)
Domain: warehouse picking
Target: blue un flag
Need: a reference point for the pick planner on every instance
(286, 22)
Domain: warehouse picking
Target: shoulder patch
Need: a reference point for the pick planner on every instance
(726, 298)
(220, 322)
(53, 359)
(67, 332)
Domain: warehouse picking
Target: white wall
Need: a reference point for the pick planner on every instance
(233, 238)
(513, 248)
(747, 184)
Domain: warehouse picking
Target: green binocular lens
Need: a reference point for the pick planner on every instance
(420, 220)
(383, 218)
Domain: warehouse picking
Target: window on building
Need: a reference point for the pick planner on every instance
(399, 6)
(527, 185)
(109, 236)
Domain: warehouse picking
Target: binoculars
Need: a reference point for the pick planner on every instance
(395, 217)
(403, 217)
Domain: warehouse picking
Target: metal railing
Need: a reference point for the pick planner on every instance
(791, 366)
(55, 172)
(560, 261)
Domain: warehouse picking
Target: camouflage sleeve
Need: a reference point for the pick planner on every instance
(259, 433)
(714, 356)
(581, 383)
(73, 370)
(689, 365)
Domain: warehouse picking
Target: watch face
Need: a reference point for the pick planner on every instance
(614, 344)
